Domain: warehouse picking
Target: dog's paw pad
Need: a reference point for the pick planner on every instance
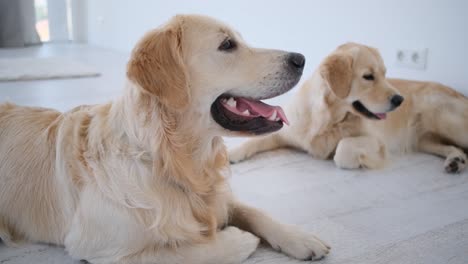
(455, 164)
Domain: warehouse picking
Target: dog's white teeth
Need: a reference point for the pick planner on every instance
(277, 119)
(273, 116)
(246, 112)
(231, 102)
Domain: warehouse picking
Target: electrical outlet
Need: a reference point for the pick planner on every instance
(413, 59)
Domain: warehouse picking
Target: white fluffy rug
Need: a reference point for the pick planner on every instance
(24, 69)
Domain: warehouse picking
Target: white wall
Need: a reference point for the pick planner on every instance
(312, 27)
(58, 23)
(79, 17)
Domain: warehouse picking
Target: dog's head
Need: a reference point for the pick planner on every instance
(356, 74)
(199, 67)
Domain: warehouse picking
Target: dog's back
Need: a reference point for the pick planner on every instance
(443, 111)
(27, 164)
(429, 109)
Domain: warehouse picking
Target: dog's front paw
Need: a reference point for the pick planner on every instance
(237, 155)
(456, 163)
(236, 245)
(300, 245)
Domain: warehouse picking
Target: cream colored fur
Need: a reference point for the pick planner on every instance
(142, 179)
(433, 118)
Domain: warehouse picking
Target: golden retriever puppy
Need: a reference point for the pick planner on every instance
(142, 179)
(343, 111)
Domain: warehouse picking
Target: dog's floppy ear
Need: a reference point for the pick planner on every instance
(337, 71)
(157, 65)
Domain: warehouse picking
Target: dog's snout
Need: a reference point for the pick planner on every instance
(296, 60)
(396, 100)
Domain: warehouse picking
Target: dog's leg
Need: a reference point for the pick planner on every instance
(455, 158)
(360, 152)
(231, 246)
(254, 146)
(324, 144)
(285, 238)
(8, 236)
(104, 232)
(5, 234)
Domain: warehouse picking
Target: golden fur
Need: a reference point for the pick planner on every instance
(433, 118)
(142, 179)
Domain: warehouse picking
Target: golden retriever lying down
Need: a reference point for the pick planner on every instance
(140, 180)
(342, 111)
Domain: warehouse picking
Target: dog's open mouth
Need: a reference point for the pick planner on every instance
(247, 115)
(358, 106)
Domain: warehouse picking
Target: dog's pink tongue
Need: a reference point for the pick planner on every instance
(263, 109)
(382, 115)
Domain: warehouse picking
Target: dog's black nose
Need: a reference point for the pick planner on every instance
(296, 60)
(396, 100)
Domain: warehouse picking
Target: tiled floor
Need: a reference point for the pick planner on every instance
(410, 212)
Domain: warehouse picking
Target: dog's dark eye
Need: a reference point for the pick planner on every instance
(369, 77)
(227, 45)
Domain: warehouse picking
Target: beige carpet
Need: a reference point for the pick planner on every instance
(25, 69)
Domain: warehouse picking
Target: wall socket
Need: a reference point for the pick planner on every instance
(412, 58)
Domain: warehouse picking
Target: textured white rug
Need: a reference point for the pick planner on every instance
(24, 69)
